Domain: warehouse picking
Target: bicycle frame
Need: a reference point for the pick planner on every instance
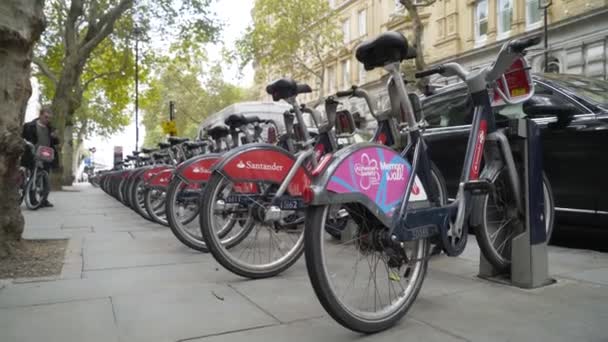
(382, 180)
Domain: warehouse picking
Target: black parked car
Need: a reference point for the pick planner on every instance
(574, 128)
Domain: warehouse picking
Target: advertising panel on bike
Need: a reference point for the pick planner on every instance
(379, 173)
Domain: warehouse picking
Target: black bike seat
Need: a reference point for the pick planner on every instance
(131, 157)
(136, 153)
(144, 159)
(389, 47)
(149, 150)
(164, 145)
(236, 120)
(218, 132)
(176, 140)
(285, 88)
(195, 144)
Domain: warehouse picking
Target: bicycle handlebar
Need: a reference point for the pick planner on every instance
(520, 45)
(355, 91)
(429, 72)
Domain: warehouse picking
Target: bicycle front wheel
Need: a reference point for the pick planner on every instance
(500, 221)
(34, 191)
(364, 285)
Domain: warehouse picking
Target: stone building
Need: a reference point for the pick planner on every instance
(471, 32)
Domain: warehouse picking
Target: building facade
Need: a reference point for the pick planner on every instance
(471, 32)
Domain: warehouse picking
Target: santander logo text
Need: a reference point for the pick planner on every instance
(200, 170)
(259, 166)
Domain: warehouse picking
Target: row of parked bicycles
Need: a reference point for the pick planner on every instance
(364, 214)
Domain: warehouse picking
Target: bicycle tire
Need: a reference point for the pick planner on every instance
(219, 249)
(483, 235)
(177, 227)
(39, 176)
(321, 282)
(150, 210)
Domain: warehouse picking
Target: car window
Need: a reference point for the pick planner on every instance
(453, 108)
(516, 111)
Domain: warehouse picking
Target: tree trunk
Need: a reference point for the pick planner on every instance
(65, 103)
(21, 23)
(77, 155)
(67, 155)
(418, 29)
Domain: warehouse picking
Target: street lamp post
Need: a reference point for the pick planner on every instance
(544, 5)
(137, 33)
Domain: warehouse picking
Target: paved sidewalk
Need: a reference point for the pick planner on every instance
(126, 279)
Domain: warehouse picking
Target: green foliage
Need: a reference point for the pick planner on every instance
(290, 37)
(195, 97)
(85, 38)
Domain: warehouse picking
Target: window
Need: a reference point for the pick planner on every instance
(481, 20)
(362, 74)
(362, 23)
(346, 74)
(452, 108)
(505, 12)
(533, 13)
(399, 6)
(331, 79)
(346, 30)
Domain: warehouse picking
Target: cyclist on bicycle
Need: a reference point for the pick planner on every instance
(40, 133)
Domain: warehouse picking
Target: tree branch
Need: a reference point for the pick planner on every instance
(70, 25)
(45, 70)
(103, 28)
(99, 76)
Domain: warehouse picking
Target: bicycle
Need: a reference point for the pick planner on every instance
(36, 181)
(390, 198)
(190, 177)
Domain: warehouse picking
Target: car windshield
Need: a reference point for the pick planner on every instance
(591, 90)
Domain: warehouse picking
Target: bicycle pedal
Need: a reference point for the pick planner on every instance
(479, 187)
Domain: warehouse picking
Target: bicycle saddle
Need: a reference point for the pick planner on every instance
(136, 153)
(145, 159)
(195, 144)
(388, 47)
(237, 120)
(149, 150)
(285, 88)
(218, 132)
(164, 145)
(176, 140)
(129, 158)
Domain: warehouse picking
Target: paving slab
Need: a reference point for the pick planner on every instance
(170, 315)
(90, 320)
(325, 329)
(495, 312)
(286, 299)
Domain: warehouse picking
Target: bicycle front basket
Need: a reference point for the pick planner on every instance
(46, 154)
(515, 86)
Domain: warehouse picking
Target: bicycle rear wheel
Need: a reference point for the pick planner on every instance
(362, 283)
(253, 248)
(182, 207)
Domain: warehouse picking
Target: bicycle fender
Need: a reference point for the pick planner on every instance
(161, 179)
(152, 171)
(371, 174)
(197, 169)
(263, 162)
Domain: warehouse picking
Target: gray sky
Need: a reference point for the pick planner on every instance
(236, 16)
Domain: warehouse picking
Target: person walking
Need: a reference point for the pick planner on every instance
(40, 133)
